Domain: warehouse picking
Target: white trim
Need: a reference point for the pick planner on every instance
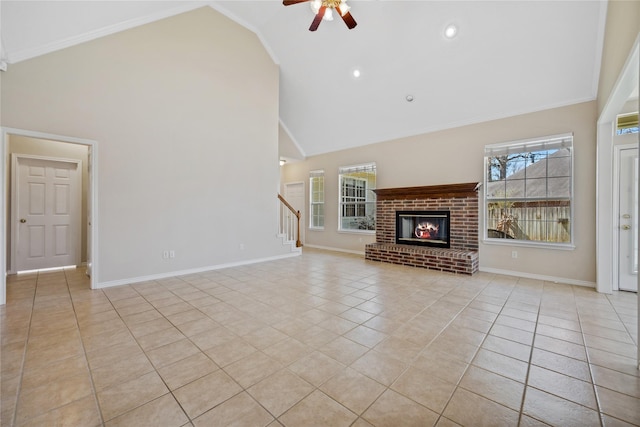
(528, 244)
(223, 10)
(4, 155)
(562, 280)
(366, 232)
(295, 141)
(132, 280)
(93, 197)
(530, 141)
(606, 127)
(328, 248)
(602, 26)
(24, 54)
(15, 159)
(356, 167)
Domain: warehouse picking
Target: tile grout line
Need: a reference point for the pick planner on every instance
(24, 355)
(626, 328)
(220, 368)
(84, 351)
(493, 323)
(526, 378)
(155, 369)
(590, 365)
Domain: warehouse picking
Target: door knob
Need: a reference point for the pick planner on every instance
(22, 220)
(626, 216)
(626, 227)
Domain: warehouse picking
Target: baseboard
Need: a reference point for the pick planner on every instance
(327, 248)
(539, 277)
(191, 271)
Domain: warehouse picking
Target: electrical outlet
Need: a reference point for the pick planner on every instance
(514, 254)
(172, 254)
(165, 254)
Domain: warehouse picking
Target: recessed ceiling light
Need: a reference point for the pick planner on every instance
(409, 98)
(356, 73)
(450, 31)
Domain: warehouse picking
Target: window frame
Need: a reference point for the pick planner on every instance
(346, 170)
(315, 174)
(528, 146)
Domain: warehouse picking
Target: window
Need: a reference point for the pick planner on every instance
(528, 191)
(627, 123)
(316, 197)
(357, 199)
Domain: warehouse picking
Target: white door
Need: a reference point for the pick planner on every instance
(628, 220)
(46, 212)
(294, 194)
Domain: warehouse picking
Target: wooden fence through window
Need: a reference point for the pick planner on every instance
(539, 222)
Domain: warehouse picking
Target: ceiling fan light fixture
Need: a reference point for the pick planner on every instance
(323, 11)
(315, 8)
(450, 31)
(328, 15)
(344, 8)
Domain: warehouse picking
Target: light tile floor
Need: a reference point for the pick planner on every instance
(324, 339)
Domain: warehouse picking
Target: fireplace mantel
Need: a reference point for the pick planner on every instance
(469, 189)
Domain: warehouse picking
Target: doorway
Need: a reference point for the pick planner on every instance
(40, 144)
(624, 91)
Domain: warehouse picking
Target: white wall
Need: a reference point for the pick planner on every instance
(185, 115)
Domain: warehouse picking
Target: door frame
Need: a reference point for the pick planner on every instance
(606, 129)
(615, 272)
(92, 199)
(13, 215)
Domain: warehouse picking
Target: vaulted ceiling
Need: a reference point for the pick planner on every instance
(508, 57)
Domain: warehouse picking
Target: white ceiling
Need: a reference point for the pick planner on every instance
(510, 57)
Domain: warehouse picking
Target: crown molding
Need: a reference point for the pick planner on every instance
(25, 54)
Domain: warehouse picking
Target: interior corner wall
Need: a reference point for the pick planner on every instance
(456, 156)
(185, 114)
(621, 30)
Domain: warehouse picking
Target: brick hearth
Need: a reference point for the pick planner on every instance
(460, 199)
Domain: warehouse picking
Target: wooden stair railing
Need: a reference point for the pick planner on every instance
(286, 221)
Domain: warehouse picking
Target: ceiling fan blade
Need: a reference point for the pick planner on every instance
(316, 21)
(348, 19)
(290, 2)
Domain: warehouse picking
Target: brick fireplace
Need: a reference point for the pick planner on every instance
(461, 200)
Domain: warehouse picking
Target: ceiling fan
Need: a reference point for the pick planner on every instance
(324, 9)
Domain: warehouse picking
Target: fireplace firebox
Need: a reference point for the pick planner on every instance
(423, 228)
